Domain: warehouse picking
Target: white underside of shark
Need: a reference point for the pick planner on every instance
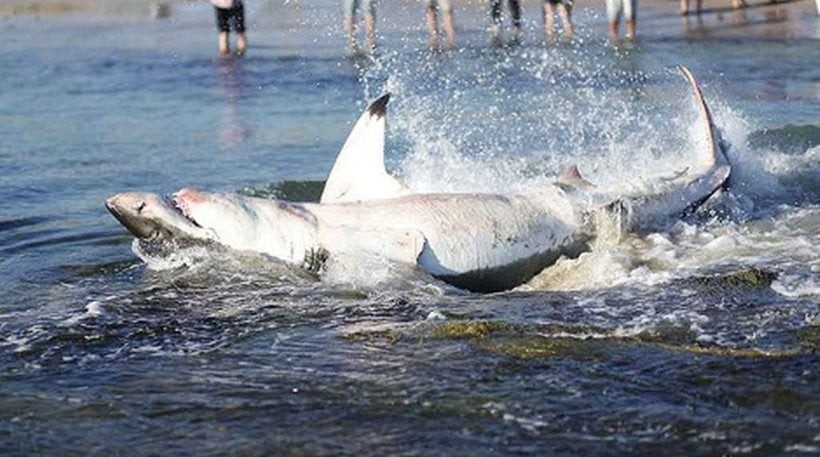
(480, 242)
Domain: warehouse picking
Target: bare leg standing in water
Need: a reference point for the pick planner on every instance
(515, 12)
(230, 14)
(370, 26)
(350, 9)
(564, 8)
(614, 10)
(241, 43)
(684, 6)
(495, 14)
(224, 44)
(446, 8)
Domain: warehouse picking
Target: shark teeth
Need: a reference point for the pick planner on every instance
(180, 207)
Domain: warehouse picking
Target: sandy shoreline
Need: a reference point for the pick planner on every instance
(785, 19)
(50, 8)
(151, 7)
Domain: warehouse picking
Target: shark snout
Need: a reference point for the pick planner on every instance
(125, 203)
(128, 209)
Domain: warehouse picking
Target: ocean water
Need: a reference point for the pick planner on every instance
(700, 338)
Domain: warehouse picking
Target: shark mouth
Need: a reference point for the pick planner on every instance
(178, 205)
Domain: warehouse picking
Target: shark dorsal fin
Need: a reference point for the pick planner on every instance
(359, 173)
(572, 177)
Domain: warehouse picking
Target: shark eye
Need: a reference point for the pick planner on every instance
(141, 207)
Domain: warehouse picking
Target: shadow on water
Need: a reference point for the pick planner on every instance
(230, 86)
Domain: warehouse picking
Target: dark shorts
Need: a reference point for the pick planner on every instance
(233, 18)
(567, 3)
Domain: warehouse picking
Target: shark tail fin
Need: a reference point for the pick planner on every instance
(359, 172)
(689, 188)
(716, 154)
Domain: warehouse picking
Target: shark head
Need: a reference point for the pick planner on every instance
(150, 217)
(190, 215)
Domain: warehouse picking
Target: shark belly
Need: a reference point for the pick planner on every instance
(477, 242)
(513, 274)
(507, 253)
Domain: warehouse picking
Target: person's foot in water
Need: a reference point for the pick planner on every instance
(516, 36)
(224, 45)
(241, 44)
(495, 36)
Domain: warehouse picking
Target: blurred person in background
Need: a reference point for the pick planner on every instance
(446, 9)
(614, 10)
(495, 14)
(230, 14)
(684, 7)
(351, 7)
(564, 8)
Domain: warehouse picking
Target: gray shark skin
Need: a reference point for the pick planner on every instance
(479, 242)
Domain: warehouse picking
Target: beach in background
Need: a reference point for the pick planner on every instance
(778, 18)
(700, 338)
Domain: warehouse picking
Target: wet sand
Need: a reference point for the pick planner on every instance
(50, 8)
(785, 19)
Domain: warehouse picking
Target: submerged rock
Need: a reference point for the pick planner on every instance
(527, 341)
(541, 347)
(556, 340)
(471, 329)
(376, 335)
(809, 337)
(667, 334)
(735, 281)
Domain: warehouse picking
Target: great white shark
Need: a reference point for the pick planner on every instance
(480, 242)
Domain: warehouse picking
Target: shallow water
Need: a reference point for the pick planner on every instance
(701, 338)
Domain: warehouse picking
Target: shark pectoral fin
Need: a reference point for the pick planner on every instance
(572, 177)
(359, 172)
(396, 245)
